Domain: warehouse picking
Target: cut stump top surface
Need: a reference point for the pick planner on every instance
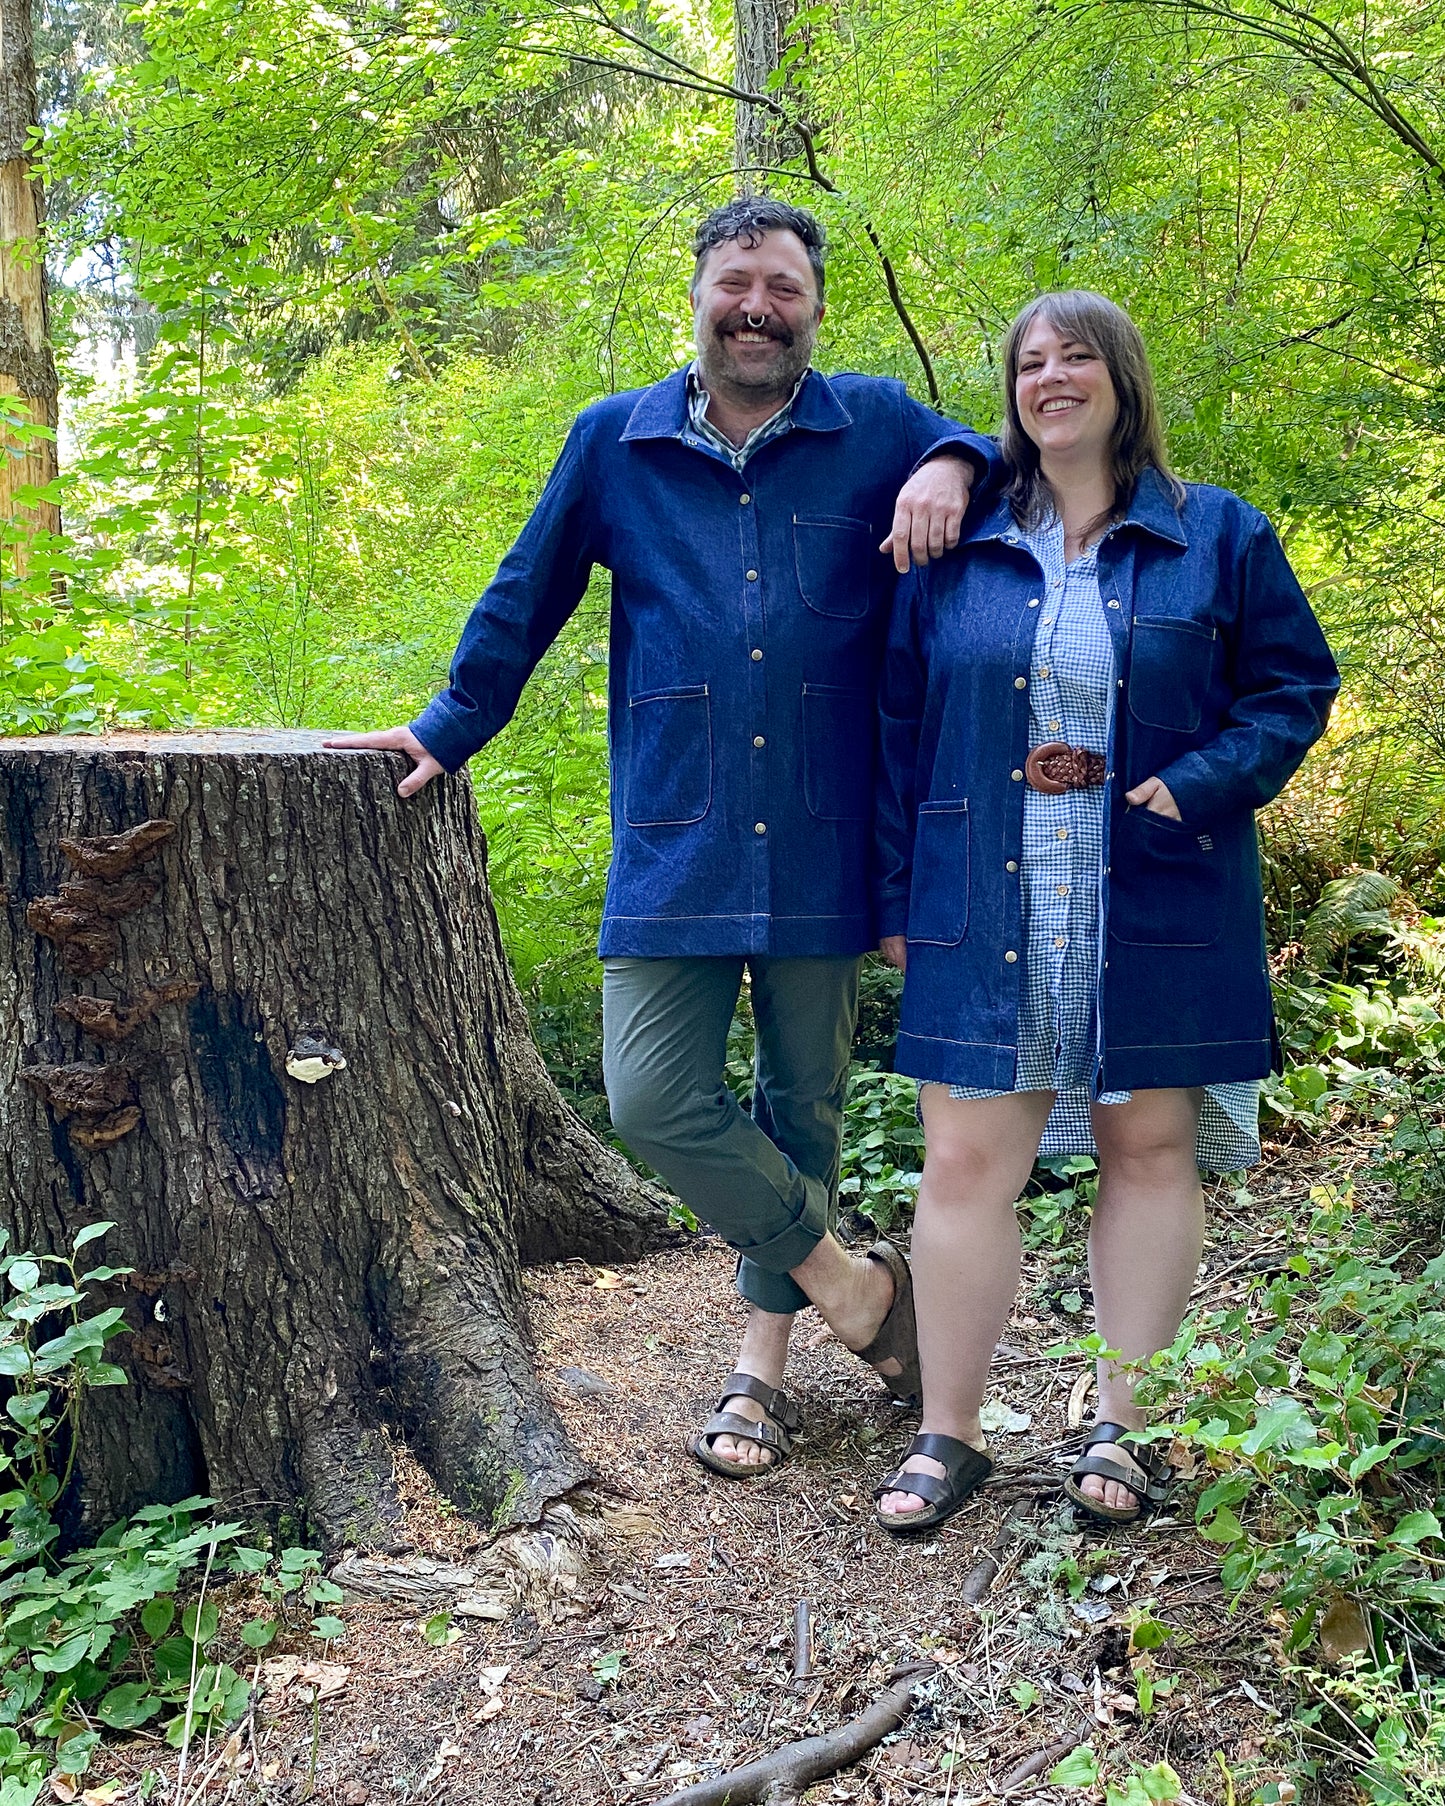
(220, 743)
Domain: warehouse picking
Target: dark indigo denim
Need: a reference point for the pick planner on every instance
(742, 786)
(1225, 683)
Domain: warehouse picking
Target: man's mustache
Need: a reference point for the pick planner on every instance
(739, 322)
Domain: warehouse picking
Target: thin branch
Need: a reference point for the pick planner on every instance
(694, 79)
(782, 1777)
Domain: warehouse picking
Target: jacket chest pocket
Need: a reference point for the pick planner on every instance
(1168, 883)
(668, 781)
(837, 752)
(1169, 668)
(938, 897)
(834, 560)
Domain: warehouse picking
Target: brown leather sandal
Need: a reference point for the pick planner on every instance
(1150, 1460)
(965, 1470)
(897, 1337)
(777, 1435)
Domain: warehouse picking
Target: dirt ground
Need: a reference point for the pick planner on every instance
(680, 1658)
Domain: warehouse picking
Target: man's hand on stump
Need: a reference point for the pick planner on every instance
(395, 739)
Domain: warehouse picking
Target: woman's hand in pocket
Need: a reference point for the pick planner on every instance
(1153, 795)
(894, 948)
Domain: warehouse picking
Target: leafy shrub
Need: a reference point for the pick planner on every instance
(99, 1635)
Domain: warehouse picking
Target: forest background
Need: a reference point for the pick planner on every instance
(329, 283)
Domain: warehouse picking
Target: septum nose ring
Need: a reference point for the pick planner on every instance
(758, 324)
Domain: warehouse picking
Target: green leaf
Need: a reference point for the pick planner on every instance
(259, 1632)
(24, 1275)
(200, 1623)
(435, 1630)
(89, 1234)
(127, 1706)
(1080, 1768)
(1414, 1527)
(1223, 1527)
(157, 1617)
(1284, 1423)
(328, 1629)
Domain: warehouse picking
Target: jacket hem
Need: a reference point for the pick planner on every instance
(1199, 1063)
(981, 1064)
(688, 937)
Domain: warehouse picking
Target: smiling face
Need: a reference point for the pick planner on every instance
(1064, 395)
(770, 281)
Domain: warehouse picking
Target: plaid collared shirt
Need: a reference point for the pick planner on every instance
(736, 455)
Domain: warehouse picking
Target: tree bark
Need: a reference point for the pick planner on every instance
(28, 384)
(273, 1036)
(760, 36)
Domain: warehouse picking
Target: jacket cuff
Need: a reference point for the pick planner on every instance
(449, 740)
(892, 915)
(1195, 788)
(981, 452)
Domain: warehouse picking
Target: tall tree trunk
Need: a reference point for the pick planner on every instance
(760, 35)
(254, 1009)
(28, 385)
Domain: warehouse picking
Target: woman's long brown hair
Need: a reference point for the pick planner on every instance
(1137, 442)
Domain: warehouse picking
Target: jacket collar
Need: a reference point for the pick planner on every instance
(661, 411)
(1151, 509)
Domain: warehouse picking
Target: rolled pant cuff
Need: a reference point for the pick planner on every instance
(790, 1247)
(776, 1293)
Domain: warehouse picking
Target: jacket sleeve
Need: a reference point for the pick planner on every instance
(537, 586)
(929, 434)
(1285, 680)
(901, 694)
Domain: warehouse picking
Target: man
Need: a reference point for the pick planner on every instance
(738, 505)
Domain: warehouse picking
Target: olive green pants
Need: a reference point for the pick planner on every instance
(767, 1183)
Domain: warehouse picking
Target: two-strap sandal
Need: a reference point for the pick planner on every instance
(965, 1470)
(1149, 1484)
(776, 1436)
(897, 1337)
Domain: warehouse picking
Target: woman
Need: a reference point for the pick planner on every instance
(1083, 706)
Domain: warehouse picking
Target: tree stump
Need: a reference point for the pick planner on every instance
(255, 1010)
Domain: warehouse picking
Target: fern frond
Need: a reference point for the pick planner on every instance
(1349, 907)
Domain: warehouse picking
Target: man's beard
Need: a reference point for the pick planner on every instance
(721, 370)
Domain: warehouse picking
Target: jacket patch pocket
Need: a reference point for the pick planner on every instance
(938, 899)
(834, 558)
(838, 728)
(1167, 883)
(668, 781)
(1169, 668)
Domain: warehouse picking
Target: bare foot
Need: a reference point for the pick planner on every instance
(741, 1453)
(764, 1354)
(1110, 1492)
(903, 1504)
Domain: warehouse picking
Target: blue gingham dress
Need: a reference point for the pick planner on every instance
(1072, 688)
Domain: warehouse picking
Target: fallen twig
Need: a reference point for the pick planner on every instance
(1043, 1760)
(802, 1642)
(779, 1779)
(984, 1573)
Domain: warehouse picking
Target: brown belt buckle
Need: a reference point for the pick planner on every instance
(1056, 767)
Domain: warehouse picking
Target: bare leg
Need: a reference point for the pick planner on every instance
(764, 1353)
(966, 1254)
(1145, 1242)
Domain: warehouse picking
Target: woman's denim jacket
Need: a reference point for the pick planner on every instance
(748, 616)
(1224, 682)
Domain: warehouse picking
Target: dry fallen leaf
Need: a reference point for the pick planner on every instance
(1344, 1630)
(675, 1558)
(494, 1708)
(490, 1679)
(998, 1418)
(102, 1795)
(64, 1788)
(607, 1280)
